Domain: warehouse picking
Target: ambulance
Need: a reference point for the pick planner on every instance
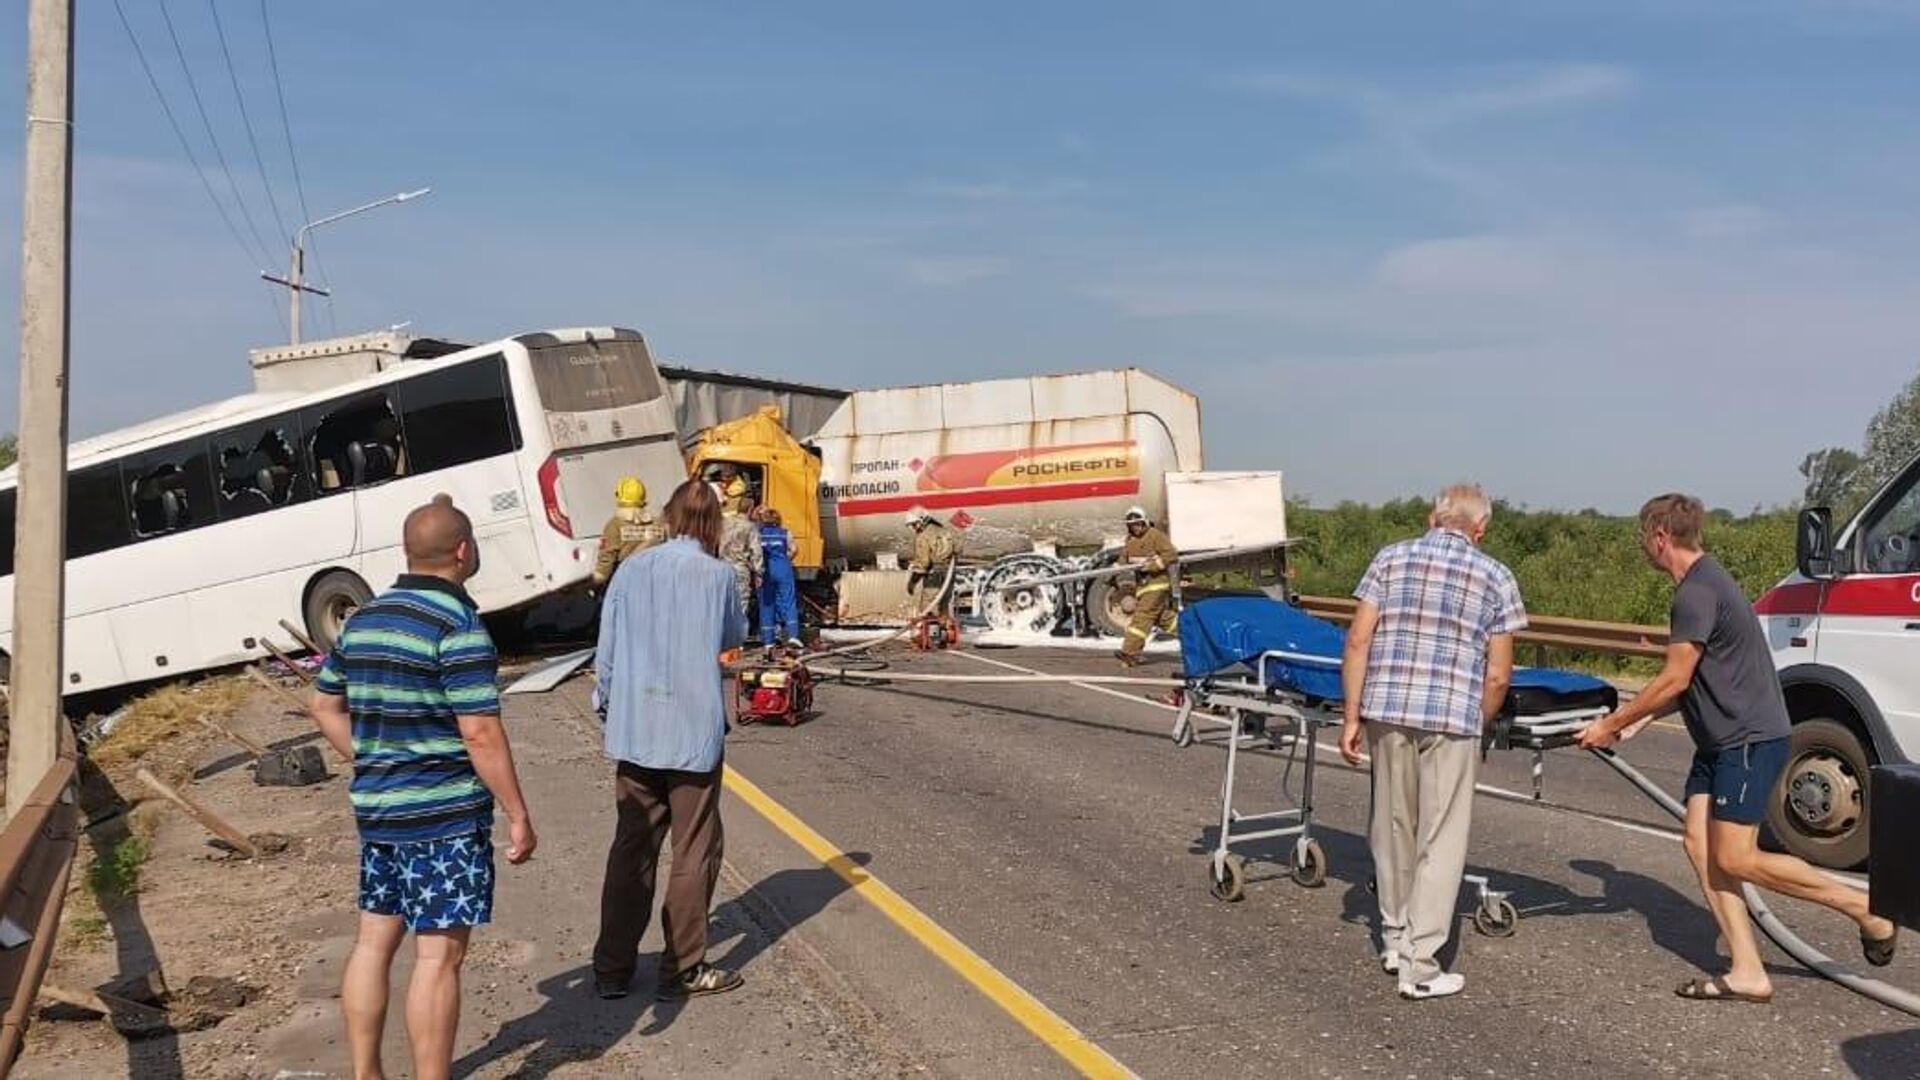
(1845, 634)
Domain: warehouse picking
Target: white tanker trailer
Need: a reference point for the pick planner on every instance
(1032, 474)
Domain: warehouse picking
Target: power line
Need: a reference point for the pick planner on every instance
(206, 122)
(174, 123)
(286, 128)
(240, 99)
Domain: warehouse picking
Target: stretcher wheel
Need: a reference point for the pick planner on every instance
(1227, 878)
(1496, 919)
(1309, 865)
(1183, 737)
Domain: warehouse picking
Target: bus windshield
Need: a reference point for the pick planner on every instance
(587, 376)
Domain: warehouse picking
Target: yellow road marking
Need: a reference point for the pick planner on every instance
(1059, 1036)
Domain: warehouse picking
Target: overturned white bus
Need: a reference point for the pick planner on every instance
(191, 536)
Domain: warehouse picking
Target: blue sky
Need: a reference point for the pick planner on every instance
(1578, 251)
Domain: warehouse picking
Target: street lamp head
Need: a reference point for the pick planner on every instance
(405, 195)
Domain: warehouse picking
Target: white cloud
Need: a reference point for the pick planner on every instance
(1478, 265)
(956, 270)
(1415, 130)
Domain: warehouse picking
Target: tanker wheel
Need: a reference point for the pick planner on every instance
(1105, 610)
(1023, 608)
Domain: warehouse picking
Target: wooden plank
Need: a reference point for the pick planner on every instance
(305, 641)
(124, 1013)
(251, 746)
(209, 820)
(293, 700)
(287, 660)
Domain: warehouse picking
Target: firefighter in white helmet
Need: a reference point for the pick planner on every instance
(628, 532)
(934, 552)
(1153, 558)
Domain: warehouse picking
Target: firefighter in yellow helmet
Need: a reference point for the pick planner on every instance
(1153, 558)
(631, 530)
(740, 542)
(934, 552)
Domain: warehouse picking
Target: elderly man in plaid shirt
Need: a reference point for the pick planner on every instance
(1428, 661)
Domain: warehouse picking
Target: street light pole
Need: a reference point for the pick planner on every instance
(295, 281)
(40, 510)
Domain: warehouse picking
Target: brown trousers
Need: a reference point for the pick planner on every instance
(652, 802)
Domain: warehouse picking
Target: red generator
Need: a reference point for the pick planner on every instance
(773, 690)
(931, 633)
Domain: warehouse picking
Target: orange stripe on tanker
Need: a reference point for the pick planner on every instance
(1047, 464)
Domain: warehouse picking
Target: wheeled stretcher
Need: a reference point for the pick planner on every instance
(1265, 671)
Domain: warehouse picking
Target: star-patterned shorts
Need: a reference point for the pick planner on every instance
(433, 884)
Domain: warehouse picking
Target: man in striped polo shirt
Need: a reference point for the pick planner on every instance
(409, 693)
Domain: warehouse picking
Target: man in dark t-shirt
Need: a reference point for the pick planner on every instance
(1720, 671)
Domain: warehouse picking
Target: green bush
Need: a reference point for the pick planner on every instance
(1583, 565)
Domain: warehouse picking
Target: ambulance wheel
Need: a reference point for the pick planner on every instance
(1227, 878)
(1309, 865)
(335, 595)
(1496, 919)
(1819, 811)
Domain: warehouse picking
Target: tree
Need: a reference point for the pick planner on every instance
(1893, 437)
(9, 450)
(1832, 476)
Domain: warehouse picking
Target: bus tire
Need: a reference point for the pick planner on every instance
(332, 597)
(1820, 811)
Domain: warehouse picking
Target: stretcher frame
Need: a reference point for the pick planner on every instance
(1240, 697)
(1494, 913)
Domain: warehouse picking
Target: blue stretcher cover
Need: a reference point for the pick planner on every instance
(1228, 632)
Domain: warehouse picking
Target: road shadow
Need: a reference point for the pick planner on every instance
(1676, 921)
(240, 758)
(757, 919)
(1891, 1055)
(156, 1053)
(573, 1026)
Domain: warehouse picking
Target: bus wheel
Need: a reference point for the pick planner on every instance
(1820, 810)
(336, 595)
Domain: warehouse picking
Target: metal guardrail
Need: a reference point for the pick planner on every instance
(1544, 631)
(36, 857)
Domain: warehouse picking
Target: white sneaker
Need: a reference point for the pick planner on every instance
(1390, 961)
(1445, 984)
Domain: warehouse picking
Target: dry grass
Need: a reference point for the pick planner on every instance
(166, 714)
(83, 926)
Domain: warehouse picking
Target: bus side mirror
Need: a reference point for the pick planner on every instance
(1813, 544)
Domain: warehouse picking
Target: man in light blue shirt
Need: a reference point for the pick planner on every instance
(668, 614)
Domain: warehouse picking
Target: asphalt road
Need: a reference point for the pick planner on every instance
(1051, 841)
(1060, 834)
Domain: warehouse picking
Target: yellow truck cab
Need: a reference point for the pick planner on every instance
(779, 472)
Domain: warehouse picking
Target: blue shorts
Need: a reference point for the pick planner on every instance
(1740, 780)
(433, 884)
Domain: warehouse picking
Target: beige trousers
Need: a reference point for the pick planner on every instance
(1422, 813)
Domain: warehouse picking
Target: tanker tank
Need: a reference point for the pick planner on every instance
(1009, 464)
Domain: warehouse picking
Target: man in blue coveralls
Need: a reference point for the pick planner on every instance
(779, 604)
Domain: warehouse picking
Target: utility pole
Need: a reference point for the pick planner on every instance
(40, 512)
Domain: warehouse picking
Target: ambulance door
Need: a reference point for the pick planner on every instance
(1870, 618)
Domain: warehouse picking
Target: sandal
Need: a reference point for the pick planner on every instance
(1716, 989)
(1879, 951)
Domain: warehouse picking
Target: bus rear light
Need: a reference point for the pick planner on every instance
(550, 497)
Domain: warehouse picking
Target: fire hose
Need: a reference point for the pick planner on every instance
(1891, 996)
